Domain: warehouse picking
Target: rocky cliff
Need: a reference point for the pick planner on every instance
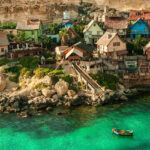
(51, 10)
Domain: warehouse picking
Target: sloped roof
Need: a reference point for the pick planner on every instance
(87, 47)
(138, 21)
(136, 14)
(88, 26)
(3, 39)
(82, 47)
(28, 25)
(146, 46)
(116, 22)
(106, 38)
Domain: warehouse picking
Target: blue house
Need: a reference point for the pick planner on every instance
(67, 24)
(139, 28)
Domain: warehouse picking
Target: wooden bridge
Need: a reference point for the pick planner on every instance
(88, 80)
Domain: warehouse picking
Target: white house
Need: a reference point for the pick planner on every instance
(92, 32)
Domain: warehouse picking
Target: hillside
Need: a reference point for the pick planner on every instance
(49, 10)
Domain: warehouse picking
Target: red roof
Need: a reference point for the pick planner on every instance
(136, 14)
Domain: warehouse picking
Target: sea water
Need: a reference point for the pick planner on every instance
(82, 128)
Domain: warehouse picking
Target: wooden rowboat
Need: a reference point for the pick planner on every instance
(122, 132)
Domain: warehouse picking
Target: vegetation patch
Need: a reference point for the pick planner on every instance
(4, 61)
(107, 80)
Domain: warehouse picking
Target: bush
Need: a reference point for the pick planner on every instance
(29, 62)
(4, 61)
(107, 80)
(41, 72)
(56, 72)
(25, 72)
(7, 25)
(14, 69)
(68, 78)
(14, 78)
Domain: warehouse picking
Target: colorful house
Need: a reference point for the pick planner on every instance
(111, 46)
(68, 23)
(139, 14)
(3, 43)
(79, 51)
(139, 28)
(92, 32)
(32, 29)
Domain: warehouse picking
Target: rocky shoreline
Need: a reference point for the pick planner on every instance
(31, 100)
(25, 107)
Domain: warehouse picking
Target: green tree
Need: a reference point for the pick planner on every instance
(21, 38)
(64, 36)
(46, 42)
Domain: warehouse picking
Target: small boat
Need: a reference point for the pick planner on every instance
(122, 132)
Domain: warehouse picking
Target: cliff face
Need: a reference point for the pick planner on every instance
(51, 10)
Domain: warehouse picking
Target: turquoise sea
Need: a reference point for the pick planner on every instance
(82, 128)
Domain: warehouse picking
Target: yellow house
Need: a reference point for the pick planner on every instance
(92, 32)
(111, 45)
(3, 43)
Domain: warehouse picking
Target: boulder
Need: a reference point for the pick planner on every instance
(35, 93)
(48, 93)
(61, 87)
(2, 82)
(47, 80)
(71, 93)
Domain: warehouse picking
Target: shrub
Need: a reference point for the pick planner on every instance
(56, 72)
(68, 78)
(14, 78)
(14, 69)
(4, 61)
(29, 62)
(41, 72)
(26, 72)
(107, 80)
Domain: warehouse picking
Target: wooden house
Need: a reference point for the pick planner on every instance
(139, 28)
(111, 46)
(3, 43)
(31, 28)
(79, 51)
(92, 32)
(118, 24)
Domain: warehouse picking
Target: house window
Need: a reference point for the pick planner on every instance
(90, 32)
(2, 50)
(116, 44)
(98, 32)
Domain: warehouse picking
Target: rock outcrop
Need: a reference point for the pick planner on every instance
(2, 82)
(61, 87)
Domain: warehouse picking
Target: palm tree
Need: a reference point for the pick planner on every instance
(64, 36)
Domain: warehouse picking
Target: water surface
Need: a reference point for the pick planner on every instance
(83, 128)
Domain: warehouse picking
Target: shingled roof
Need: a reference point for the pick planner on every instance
(3, 39)
(142, 14)
(116, 23)
(28, 25)
(87, 47)
(106, 38)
